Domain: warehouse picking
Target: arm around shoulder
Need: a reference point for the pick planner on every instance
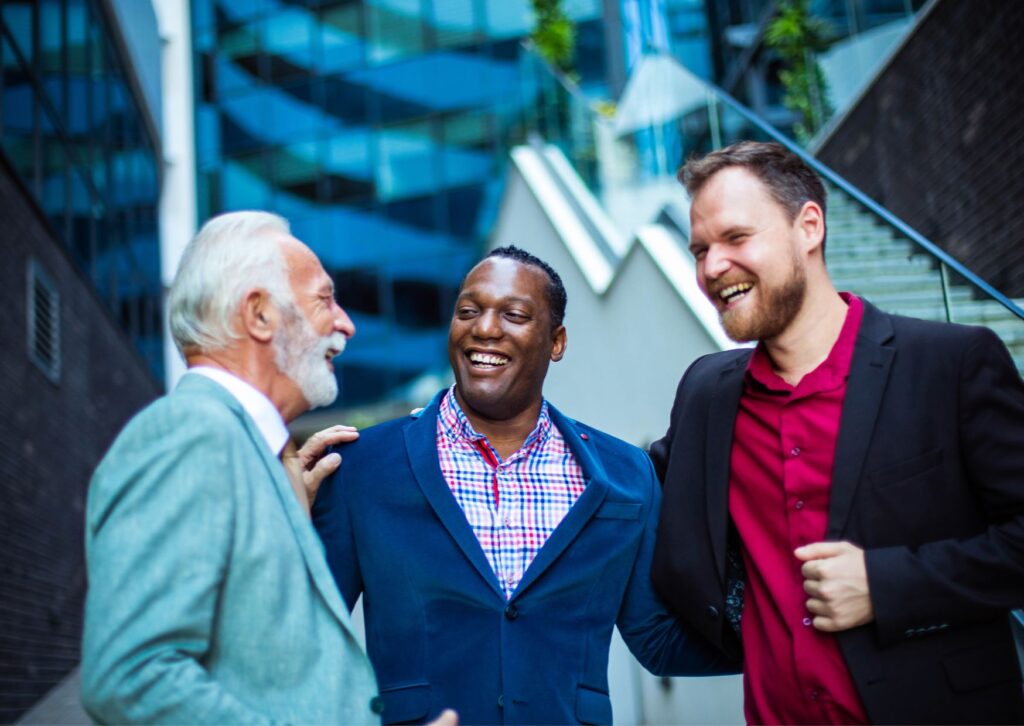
(662, 643)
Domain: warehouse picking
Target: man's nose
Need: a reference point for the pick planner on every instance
(487, 325)
(716, 262)
(342, 322)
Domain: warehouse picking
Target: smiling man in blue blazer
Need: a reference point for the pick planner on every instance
(495, 541)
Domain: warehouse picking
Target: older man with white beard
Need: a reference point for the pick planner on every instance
(209, 598)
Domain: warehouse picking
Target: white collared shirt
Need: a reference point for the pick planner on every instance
(266, 416)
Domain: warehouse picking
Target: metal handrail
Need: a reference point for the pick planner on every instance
(926, 245)
(871, 205)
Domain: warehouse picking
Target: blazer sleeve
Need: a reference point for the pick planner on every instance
(658, 639)
(159, 536)
(332, 518)
(661, 449)
(947, 582)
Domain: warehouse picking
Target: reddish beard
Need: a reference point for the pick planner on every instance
(776, 308)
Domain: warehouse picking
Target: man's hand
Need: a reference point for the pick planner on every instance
(311, 465)
(836, 578)
(448, 717)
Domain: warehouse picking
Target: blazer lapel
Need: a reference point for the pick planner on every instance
(869, 373)
(421, 444)
(580, 513)
(721, 423)
(309, 543)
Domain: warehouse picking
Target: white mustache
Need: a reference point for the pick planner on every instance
(334, 340)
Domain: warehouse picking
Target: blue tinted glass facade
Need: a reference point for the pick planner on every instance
(73, 132)
(380, 129)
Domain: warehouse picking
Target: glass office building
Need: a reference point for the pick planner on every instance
(380, 129)
(75, 134)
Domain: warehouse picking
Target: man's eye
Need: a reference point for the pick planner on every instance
(464, 313)
(699, 253)
(517, 316)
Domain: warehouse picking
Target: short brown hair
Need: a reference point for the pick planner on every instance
(788, 178)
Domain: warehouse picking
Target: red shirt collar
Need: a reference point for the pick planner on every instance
(832, 372)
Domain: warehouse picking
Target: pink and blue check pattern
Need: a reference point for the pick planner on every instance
(536, 487)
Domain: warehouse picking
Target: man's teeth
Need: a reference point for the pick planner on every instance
(734, 291)
(488, 359)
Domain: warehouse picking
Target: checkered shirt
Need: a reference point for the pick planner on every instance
(536, 487)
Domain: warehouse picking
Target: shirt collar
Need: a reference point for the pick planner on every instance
(263, 413)
(832, 372)
(456, 425)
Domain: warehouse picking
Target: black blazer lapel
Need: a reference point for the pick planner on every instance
(869, 373)
(580, 512)
(721, 423)
(421, 444)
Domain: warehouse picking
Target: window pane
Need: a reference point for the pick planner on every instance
(17, 15)
(18, 105)
(455, 22)
(507, 18)
(289, 40)
(51, 58)
(408, 163)
(342, 36)
(395, 28)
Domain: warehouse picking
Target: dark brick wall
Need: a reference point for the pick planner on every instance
(51, 438)
(939, 138)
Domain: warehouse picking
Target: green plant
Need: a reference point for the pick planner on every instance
(554, 35)
(797, 36)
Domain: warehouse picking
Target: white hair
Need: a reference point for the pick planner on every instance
(232, 254)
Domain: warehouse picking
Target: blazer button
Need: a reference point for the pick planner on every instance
(511, 612)
(377, 705)
(712, 612)
(501, 701)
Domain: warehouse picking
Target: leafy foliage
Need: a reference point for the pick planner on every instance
(554, 34)
(797, 36)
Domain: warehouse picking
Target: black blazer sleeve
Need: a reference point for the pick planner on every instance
(955, 581)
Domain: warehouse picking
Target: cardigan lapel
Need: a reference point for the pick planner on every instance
(721, 423)
(869, 373)
(421, 444)
(581, 512)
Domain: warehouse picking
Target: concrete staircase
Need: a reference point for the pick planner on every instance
(869, 258)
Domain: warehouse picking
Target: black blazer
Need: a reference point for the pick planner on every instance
(928, 479)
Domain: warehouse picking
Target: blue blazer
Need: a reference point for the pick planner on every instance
(439, 630)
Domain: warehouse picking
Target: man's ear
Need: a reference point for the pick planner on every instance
(558, 344)
(810, 221)
(259, 316)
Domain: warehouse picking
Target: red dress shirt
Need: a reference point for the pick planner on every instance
(779, 486)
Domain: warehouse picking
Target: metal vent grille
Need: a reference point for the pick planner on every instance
(43, 321)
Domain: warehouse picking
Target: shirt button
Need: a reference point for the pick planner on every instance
(814, 695)
(799, 504)
(795, 451)
(508, 521)
(377, 705)
(806, 621)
